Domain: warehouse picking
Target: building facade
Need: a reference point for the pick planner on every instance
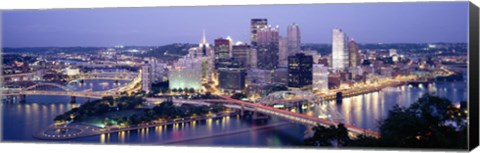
(186, 74)
(255, 26)
(293, 36)
(354, 57)
(320, 78)
(267, 48)
(339, 49)
(300, 70)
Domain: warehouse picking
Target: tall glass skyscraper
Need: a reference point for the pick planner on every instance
(339, 49)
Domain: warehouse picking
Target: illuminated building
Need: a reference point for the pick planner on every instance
(186, 74)
(293, 37)
(255, 26)
(283, 52)
(72, 71)
(152, 72)
(353, 54)
(241, 53)
(203, 47)
(230, 45)
(299, 70)
(339, 49)
(222, 48)
(320, 78)
(267, 48)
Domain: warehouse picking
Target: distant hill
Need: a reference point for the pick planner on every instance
(168, 51)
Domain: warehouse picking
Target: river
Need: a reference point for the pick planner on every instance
(21, 120)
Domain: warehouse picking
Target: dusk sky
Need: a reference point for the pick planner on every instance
(366, 23)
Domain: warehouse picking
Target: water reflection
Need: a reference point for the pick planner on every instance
(368, 109)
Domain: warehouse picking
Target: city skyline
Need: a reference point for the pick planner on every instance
(43, 28)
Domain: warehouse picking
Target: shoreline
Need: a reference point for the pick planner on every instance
(89, 130)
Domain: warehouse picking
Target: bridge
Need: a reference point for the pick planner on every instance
(115, 76)
(260, 108)
(67, 91)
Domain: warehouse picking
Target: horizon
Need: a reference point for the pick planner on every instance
(386, 23)
(197, 43)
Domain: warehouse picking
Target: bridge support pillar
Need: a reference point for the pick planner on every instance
(22, 98)
(242, 111)
(73, 99)
(339, 97)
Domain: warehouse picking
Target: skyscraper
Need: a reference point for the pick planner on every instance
(299, 70)
(267, 48)
(283, 52)
(339, 49)
(255, 26)
(222, 49)
(241, 53)
(353, 60)
(293, 36)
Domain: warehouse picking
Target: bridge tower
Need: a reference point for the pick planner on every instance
(22, 98)
(339, 97)
(73, 99)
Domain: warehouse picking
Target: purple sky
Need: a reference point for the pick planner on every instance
(367, 23)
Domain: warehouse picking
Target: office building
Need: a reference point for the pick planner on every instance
(267, 48)
(339, 49)
(354, 57)
(299, 70)
(293, 37)
(320, 78)
(255, 26)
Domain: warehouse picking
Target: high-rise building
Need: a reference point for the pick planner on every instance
(320, 78)
(253, 59)
(293, 36)
(230, 46)
(186, 74)
(267, 48)
(354, 57)
(299, 70)
(283, 52)
(146, 77)
(152, 72)
(255, 26)
(222, 48)
(241, 53)
(339, 49)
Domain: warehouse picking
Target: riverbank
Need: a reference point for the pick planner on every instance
(63, 132)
